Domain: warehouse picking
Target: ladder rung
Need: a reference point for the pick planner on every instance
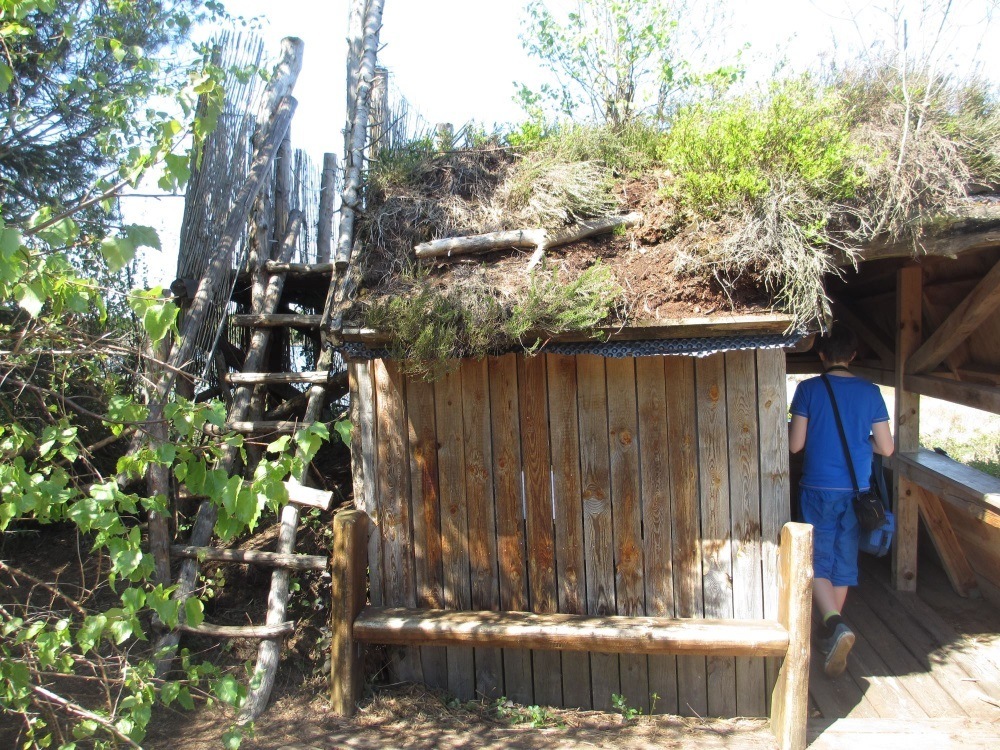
(299, 269)
(299, 494)
(240, 631)
(277, 320)
(320, 377)
(250, 557)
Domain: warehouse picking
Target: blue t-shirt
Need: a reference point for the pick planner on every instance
(861, 405)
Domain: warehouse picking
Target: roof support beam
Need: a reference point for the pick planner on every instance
(963, 320)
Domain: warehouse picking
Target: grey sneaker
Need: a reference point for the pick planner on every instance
(836, 648)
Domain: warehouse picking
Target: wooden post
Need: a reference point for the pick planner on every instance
(327, 196)
(908, 337)
(347, 597)
(790, 699)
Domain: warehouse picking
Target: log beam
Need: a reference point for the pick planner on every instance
(250, 557)
(562, 632)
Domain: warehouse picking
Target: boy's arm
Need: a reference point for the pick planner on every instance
(797, 433)
(882, 439)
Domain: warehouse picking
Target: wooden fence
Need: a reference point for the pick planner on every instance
(650, 486)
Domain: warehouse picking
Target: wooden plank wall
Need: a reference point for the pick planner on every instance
(655, 485)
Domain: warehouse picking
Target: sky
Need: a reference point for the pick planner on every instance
(457, 60)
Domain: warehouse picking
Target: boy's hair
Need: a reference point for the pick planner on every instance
(839, 344)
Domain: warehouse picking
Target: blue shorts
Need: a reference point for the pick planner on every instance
(835, 534)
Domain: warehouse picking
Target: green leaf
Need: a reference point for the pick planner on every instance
(6, 77)
(143, 236)
(30, 297)
(232, 738)
(343, 428)
(89, 634)
(227, 690)
(118, 252)
(280, 445)
(10, 242)
(194, 611)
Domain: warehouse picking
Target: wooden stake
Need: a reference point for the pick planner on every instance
(347, 594)
(790, 699)
(359, 128)
(327, 197)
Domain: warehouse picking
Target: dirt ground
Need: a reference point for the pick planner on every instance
(416, 718)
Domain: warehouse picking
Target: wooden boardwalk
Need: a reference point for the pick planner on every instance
(924, 673)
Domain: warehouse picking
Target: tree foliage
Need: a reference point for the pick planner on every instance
(613, 59)
(98, 93)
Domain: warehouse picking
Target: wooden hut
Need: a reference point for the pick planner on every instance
(592, 480)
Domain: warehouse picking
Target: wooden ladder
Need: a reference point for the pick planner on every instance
(269, 281)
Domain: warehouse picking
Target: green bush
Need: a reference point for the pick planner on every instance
(729, 154)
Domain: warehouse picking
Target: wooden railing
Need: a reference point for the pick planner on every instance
(354, 624)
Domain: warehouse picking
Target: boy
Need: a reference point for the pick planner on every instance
(827, 493)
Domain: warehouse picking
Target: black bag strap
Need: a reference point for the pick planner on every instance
(843, 435)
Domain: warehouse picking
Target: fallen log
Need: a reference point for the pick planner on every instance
(540, 239)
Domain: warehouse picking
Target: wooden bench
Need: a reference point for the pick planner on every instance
(354, 624)
(928, 478)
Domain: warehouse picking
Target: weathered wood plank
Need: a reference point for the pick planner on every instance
(481, 515)
(425, 510)
(626, 516)
(924, 689)
(908, 337)
(775, 505)
(642, 635)
(504, 422)
(367, 429)
(454, 522)
(717, 567)
(595, 473)
(567, 501)
(654, 448)
(745, 517)
(682, 421)
(394, 499)
(968, 489)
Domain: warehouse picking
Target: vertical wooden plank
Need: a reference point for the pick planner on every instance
(654, 447)
(717, 568)
(744, 508)
(504, 419)
(348, 565)
(790, 702)
(630, 599)
(567, 502)
(682, 442)
(775, 503)
(394, 501)
(481, 515)
(365, 432)
(454, 522)
(595, 473)
(909, 293)
(426, 514)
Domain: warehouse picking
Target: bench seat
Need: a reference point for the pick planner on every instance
(611, 634)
